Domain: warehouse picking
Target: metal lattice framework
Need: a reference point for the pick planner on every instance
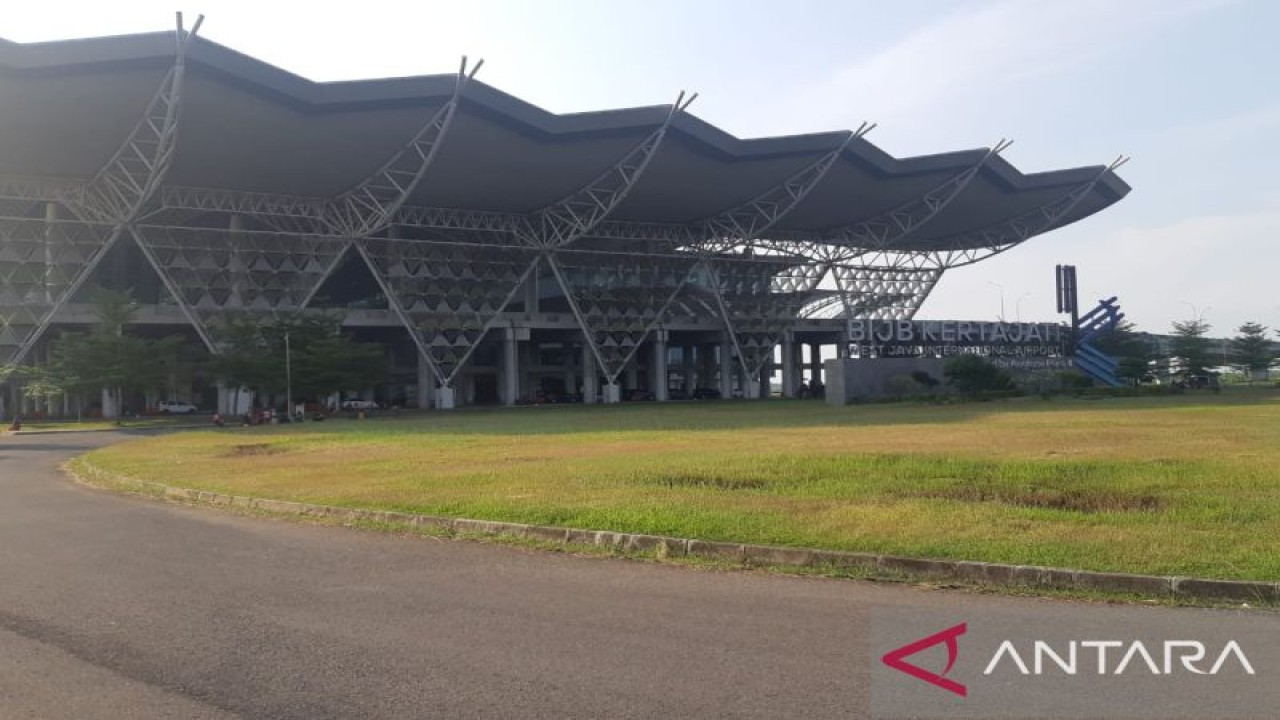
(369, 206)
(619, 300)
(883, 293)
(449, 274)
(751, 220)
(759, 303)
(115, 198)
(753, 299)
(977, 245)
(449, 294)
(234, 270)
(572, 217)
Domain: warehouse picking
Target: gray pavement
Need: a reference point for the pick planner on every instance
(115, 606)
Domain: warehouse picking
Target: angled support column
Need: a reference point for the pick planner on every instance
(893, 227)
(572, 217)
(120, 191)
(983, 243)
(557, 226)
(742, 225)
(745, 223)
(369, 206)
(966, 249)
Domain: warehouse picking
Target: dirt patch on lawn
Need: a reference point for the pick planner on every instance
(254, 450)
(1074, 500)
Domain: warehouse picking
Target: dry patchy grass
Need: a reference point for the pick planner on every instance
(1186, 485)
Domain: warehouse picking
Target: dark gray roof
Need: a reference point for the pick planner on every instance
(247, 125)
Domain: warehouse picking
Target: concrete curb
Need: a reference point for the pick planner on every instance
(20, 433)
(889, 566)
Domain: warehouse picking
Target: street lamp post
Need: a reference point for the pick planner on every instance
(1017, 306)
(999, 287)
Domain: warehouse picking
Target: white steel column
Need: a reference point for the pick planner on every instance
(658, 368)
(510, 367)
(789, 384)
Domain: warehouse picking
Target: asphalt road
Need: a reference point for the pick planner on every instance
(114, 606)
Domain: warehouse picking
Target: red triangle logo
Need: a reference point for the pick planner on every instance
(895, 659)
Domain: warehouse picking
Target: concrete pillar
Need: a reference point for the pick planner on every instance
(109, 409)
(509, 384)
(590, 375)
(446, 398)
(726, 369)
(842, 349)
(426, 382)
(658, 366)
(815, 362)
(528, 357)
(612, 392)
(789, 384)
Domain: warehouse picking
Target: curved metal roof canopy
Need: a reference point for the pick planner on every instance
(453, 194)
(249, 126)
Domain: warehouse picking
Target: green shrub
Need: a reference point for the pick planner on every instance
(974, 375)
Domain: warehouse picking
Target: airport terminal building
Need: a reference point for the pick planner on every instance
(498, 250)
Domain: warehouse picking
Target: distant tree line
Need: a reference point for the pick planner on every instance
(1191, 351)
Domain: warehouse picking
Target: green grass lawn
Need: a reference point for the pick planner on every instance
(1185, 485)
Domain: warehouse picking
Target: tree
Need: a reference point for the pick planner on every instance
(973, 374)
(322, 359)
(1251, 349)
(107, 357)
(1191, 347)
(1133, 352)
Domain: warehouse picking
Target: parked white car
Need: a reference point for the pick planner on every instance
(359, 405)
(175, 407)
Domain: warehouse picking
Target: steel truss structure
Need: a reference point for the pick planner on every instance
(449, 274)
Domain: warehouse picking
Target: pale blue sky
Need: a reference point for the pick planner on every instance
(1189, 88)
